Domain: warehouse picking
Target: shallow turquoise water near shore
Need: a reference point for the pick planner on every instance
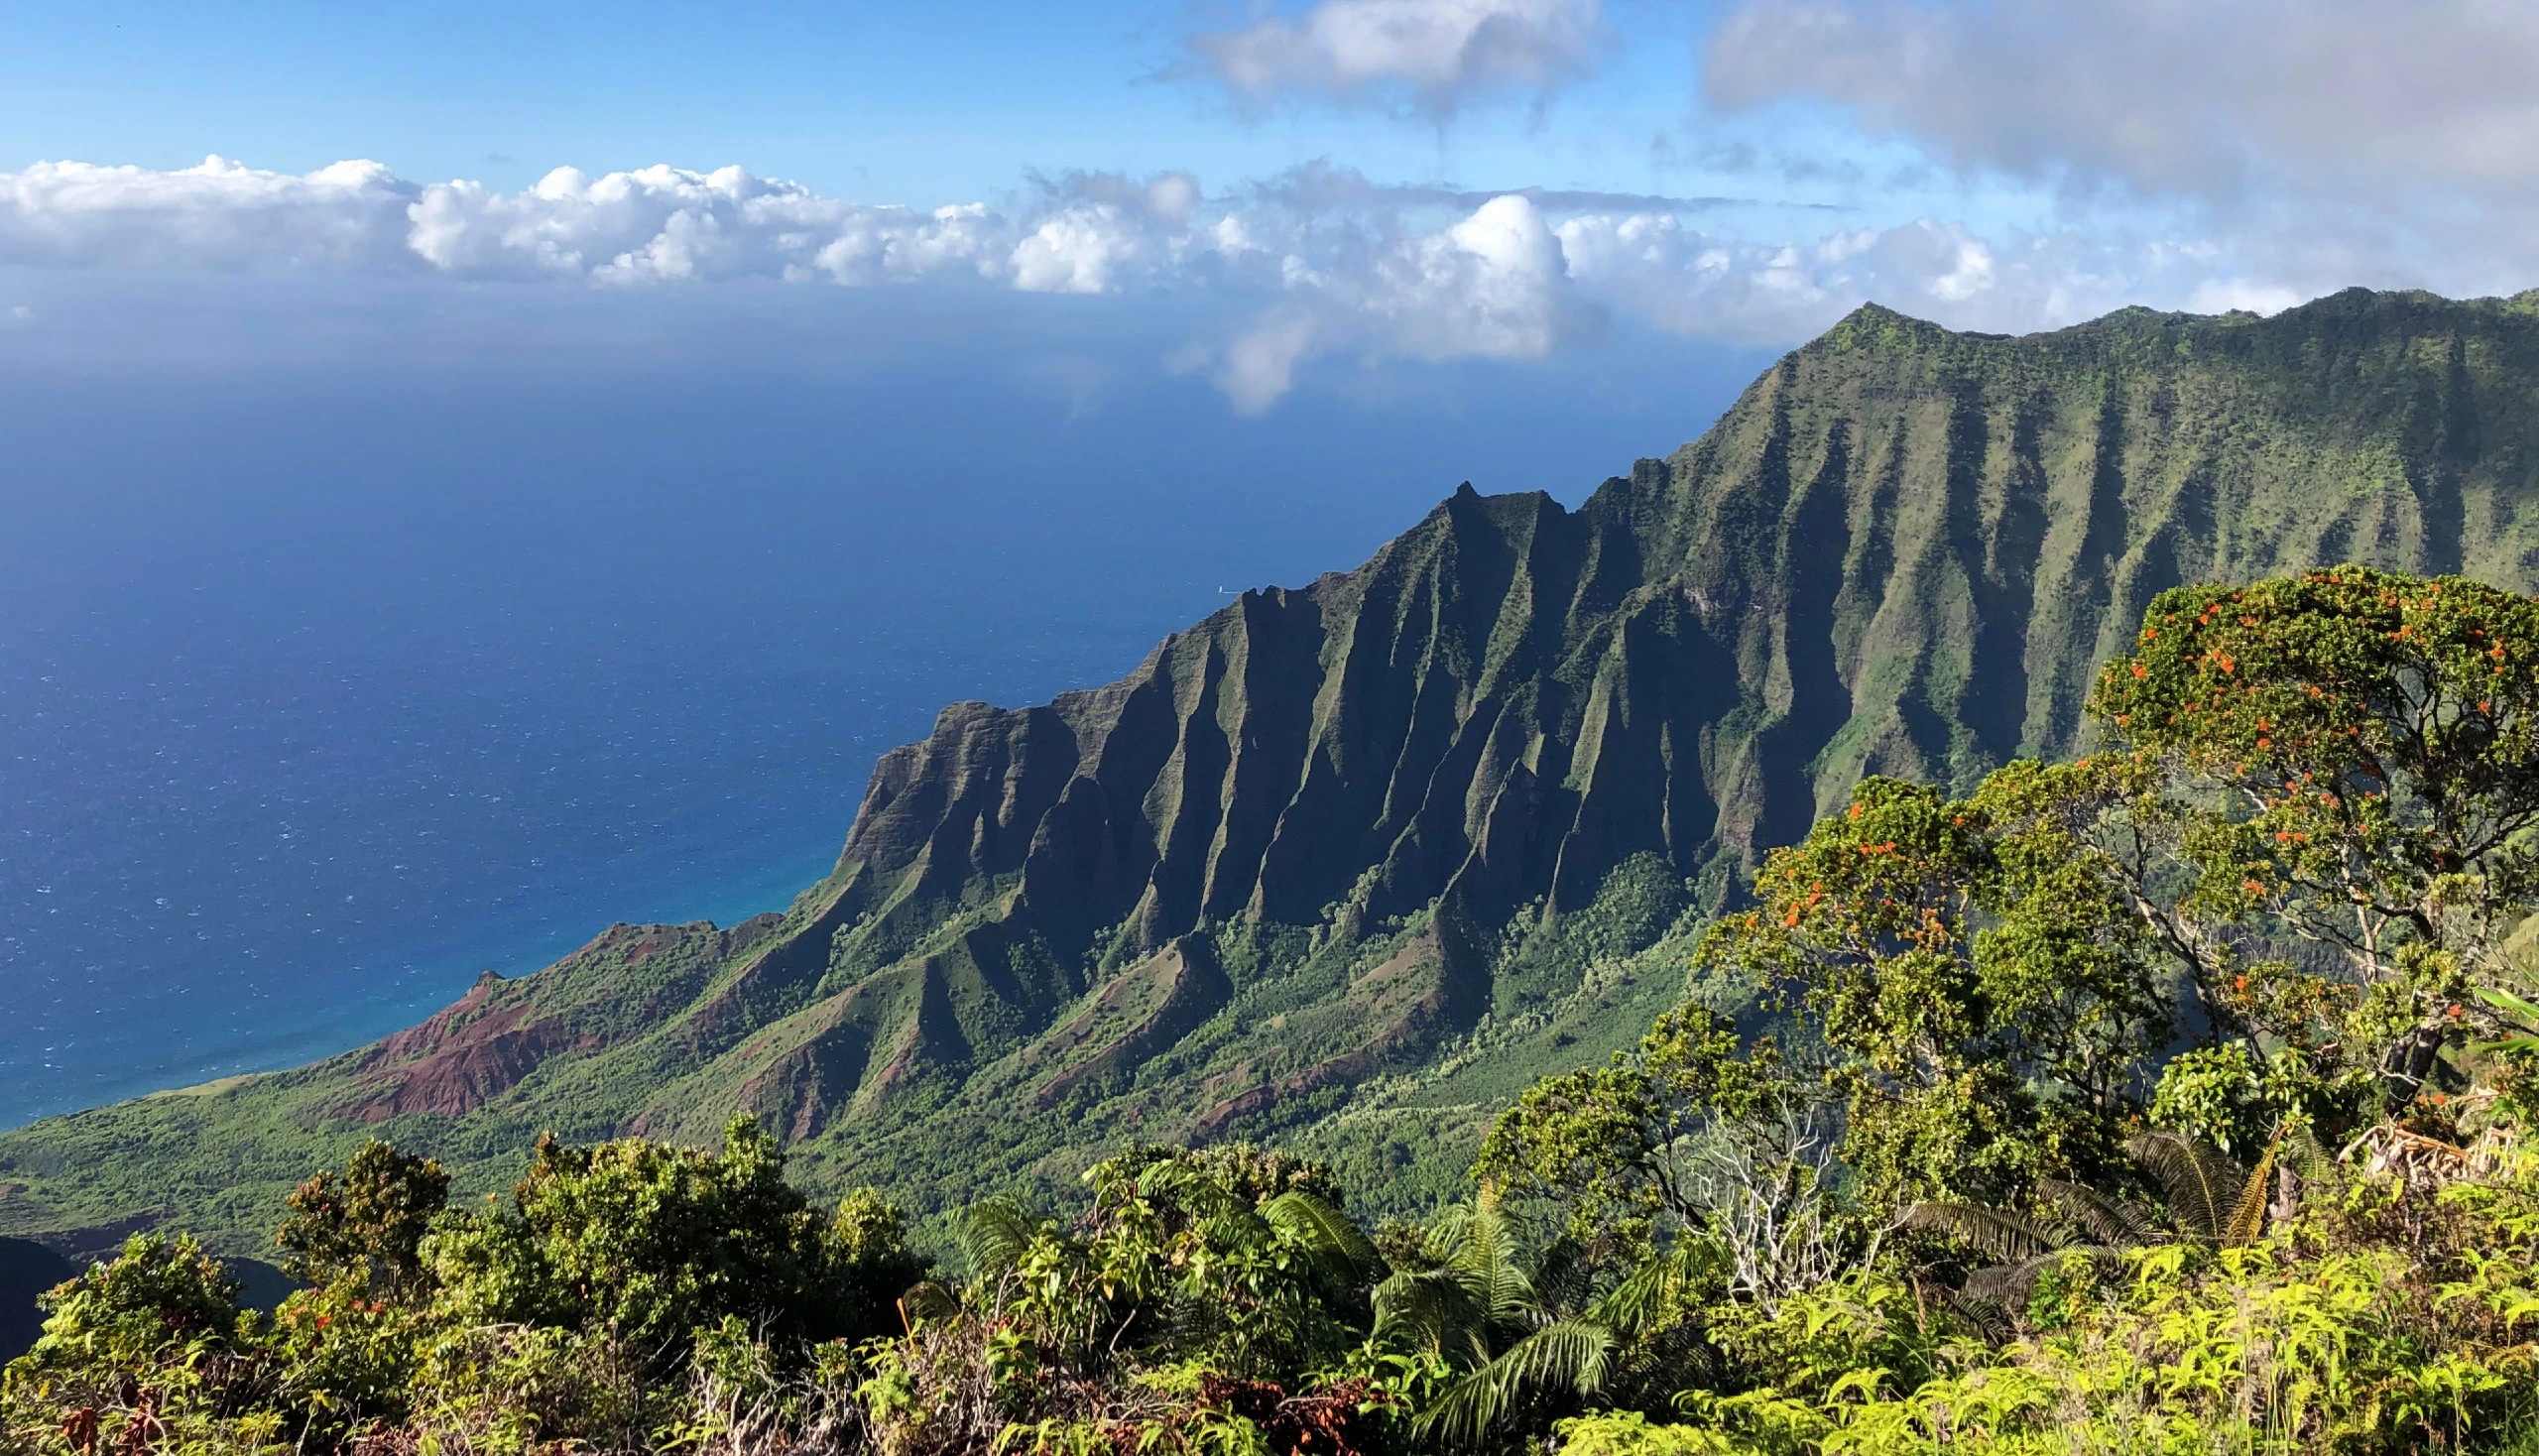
(323, 692)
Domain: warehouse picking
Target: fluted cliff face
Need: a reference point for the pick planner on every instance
(1284, 870)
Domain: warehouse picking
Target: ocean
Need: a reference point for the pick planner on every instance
(329, 682)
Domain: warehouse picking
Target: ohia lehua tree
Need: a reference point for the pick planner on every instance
(2280, 886)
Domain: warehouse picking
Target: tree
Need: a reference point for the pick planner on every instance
(2297, 852)
(1693, 1137)
(1993, 1000)
(2353, 759)
(365, 1224)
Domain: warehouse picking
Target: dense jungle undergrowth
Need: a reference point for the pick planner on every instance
(2167, 1100)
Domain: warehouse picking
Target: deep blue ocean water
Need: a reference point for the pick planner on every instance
(328, 680)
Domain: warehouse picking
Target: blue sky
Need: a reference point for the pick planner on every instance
(919, 103)
(1312, 183)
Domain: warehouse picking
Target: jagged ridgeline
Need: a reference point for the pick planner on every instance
(1346, 865)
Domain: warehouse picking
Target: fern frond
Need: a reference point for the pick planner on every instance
(1638, 1301)
(2009, 1286)
(2309, 1159)
(1561, 1274)
(2247, 1216)
(2117, 1225)
(994, 1235)
(2202, 1185)
(1994, 1232)
(1328, 1233)
(1571, 1354)
(1484, 1252)
(927, 1302)
(1990, 1320)
(1997, 1287)
(1431, 1305)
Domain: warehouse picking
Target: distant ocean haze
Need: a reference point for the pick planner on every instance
(330, 680)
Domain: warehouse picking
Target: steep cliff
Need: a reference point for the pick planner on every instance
(1344, 863)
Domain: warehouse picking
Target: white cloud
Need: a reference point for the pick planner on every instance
(663, 224)
(1260, 364)
(1437, 53)
(1265, 278)
(2232, 295)
(1494, 284)
(2380, 140)
(220, 215)
(1081, 250)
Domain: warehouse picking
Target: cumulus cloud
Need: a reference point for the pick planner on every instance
(1269, 277)
(663, 224)
(220, 215)
(1437, 54)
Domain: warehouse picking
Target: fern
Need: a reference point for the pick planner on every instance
(1571, 1354)
(2204, 1188)
(994, 1235)
(2111, 1223)
(2248, 1217)
(1994, 1232)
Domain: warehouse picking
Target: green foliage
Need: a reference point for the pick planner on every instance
(649, 1243)
(1993, 995)
(365, 1224)
(158, 1293)
(1612, 1144)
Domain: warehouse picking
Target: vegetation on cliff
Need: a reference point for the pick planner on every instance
(2167, 1099)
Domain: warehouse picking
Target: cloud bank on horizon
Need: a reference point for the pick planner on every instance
(2197, 154)
(1316, 263)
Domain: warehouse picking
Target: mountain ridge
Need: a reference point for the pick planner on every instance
(1340, 859)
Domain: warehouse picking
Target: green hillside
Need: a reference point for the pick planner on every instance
(1349, 865)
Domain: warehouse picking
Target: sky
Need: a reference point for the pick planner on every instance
(1300, 187)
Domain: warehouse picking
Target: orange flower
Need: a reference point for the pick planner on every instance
(2142, 672)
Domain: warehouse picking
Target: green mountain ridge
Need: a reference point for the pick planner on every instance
(1347, 864)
